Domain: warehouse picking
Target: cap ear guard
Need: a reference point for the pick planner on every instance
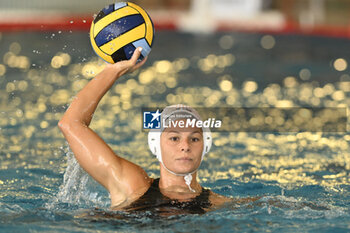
(154, 143)
(207, 141)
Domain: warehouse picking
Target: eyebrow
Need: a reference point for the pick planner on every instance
(197, 131)
(174, 131)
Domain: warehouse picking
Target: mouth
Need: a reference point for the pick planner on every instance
(184, 159)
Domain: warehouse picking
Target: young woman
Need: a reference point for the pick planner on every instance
(180, 151)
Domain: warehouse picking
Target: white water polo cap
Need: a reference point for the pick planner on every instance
(174, 112)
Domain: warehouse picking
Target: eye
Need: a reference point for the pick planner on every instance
(195, 139)
(174, 138)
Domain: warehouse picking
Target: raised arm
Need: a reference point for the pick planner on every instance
(119, 176)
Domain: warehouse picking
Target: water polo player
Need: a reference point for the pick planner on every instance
(179, 150)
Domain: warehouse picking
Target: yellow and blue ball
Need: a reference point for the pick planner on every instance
(119, 29)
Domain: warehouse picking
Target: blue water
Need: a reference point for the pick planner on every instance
(302, 178)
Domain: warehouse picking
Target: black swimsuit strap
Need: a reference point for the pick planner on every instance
(155, 183)
(154, 200)
(204, 195)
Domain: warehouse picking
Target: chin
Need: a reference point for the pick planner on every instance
(183, 170)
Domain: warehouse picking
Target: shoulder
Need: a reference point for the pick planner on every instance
(120, 199)
(218, 200)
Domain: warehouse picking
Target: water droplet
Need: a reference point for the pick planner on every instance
(36, 51)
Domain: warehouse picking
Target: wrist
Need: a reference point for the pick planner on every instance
(112, 71)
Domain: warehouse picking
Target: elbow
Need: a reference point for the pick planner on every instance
(63, 125)
(67, 125)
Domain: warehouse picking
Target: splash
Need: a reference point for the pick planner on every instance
(79, 188)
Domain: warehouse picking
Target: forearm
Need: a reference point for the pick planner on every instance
(85, 102)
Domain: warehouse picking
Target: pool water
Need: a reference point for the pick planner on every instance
(301, 177)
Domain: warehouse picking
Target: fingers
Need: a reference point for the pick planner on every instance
(127, 64)
(136, 55)
(138, 65)
(130, 65)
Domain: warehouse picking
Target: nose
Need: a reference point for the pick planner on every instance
(185, 146)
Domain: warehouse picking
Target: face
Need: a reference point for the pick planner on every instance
(181, 149)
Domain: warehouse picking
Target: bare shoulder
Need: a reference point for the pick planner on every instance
(218, 200)
(131, 182)
(120, 200)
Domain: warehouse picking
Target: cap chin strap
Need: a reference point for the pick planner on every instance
(154, 145)
(187, 176)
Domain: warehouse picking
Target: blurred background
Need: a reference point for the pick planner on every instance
(222, 53)
(329, 17)
(206, 53)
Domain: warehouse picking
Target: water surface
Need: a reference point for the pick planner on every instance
(303, 178)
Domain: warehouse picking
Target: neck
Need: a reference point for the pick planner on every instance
(176, 183)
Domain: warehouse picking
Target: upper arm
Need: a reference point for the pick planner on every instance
(98, 159)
